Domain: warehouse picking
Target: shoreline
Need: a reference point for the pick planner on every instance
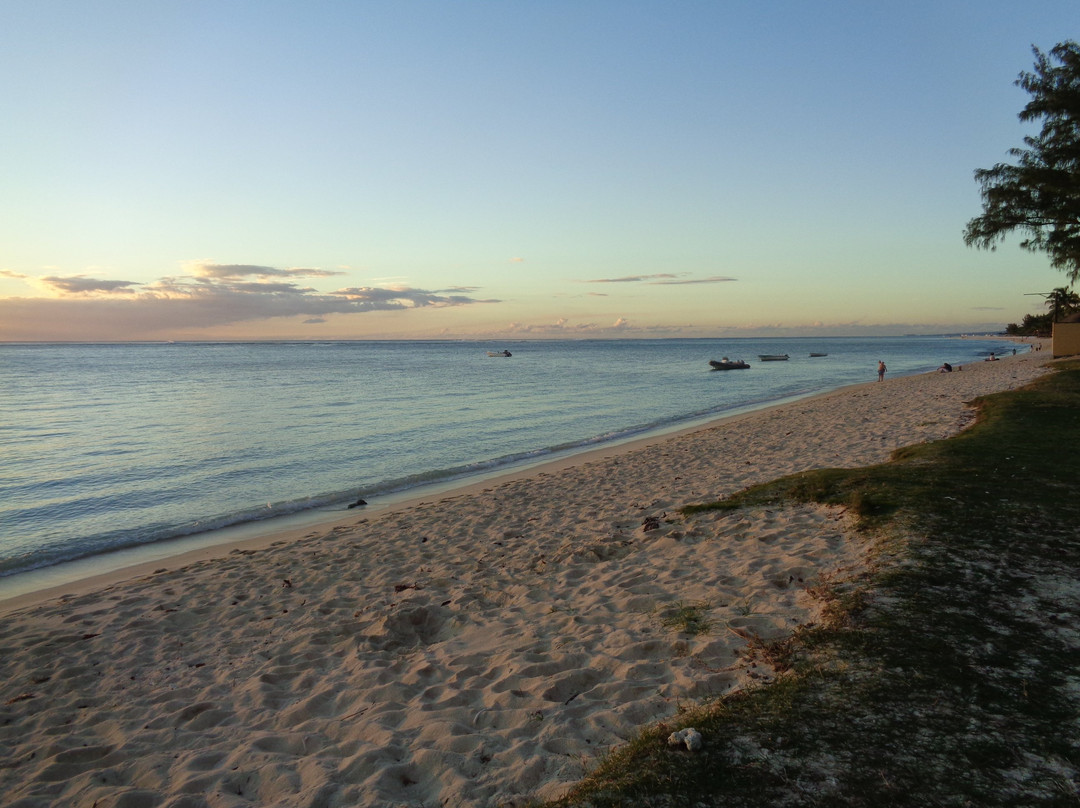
(480, 646)
(82, 574)
(86, 574)
(106, 569)
(294, 511)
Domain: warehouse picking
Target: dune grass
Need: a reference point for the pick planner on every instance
(949, 675)
(689, 618)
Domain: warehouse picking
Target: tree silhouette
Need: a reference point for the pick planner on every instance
(1039, 196)
(1062, 303)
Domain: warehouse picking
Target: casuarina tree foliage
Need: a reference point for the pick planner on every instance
(1039, 196)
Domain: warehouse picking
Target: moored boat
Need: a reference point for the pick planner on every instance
(499, 353)
(773, 357)
(819, 354)
(728, 364)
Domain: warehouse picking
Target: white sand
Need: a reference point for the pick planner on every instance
(481, 649)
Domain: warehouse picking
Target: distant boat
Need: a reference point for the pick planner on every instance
(728, 364)
(499, 353)
(773, 357)
(819, 354)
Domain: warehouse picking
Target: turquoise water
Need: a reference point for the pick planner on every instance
(112, 446)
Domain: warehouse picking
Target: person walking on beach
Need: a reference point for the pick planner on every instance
(881, 370)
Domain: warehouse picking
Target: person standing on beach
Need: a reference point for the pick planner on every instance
(880, 370)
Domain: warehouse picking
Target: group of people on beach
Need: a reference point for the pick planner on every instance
(945, 366)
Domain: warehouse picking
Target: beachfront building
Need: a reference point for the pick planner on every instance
(1066, 339)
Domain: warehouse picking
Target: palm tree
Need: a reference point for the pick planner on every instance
(1062, 302)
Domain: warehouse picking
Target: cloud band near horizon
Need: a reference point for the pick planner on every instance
(211, 295)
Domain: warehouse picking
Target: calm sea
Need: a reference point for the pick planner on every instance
(113, 446)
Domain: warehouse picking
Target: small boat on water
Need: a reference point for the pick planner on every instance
(499, 353)
(728, 364)
(819, 354)
(773, 357)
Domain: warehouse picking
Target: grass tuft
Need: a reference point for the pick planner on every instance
(689, 618)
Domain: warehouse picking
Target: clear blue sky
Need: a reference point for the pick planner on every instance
(497, 169)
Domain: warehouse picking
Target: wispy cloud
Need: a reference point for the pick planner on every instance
(367, 298)
(632, 278)
(713, 279)
(82, 285)
(562, 327)
(662, 279)
(201, 269)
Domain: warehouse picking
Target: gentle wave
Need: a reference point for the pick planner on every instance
(171, 441)
(149, 534)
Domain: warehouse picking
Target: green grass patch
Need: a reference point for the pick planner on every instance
(949, 676)
(689, 618)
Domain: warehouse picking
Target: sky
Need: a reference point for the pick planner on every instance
(400, 169)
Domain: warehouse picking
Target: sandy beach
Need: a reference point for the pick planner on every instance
(482, 648)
